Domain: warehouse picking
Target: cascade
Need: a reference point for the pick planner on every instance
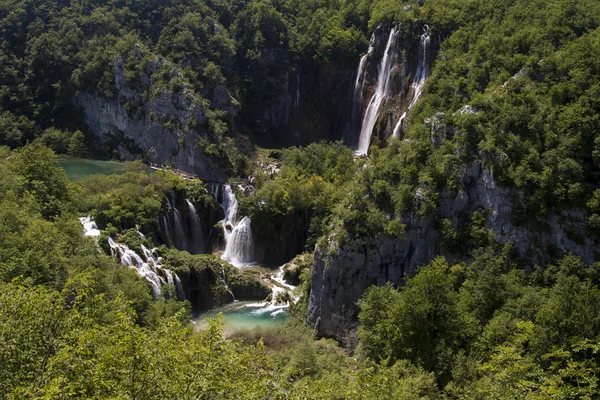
(382, 89)
(198, 237)
(167, 228)
(224, 281)
(90, 229)
(275, 306)
(420, 76)
(357, 97)
(148, 267)
(239, 243)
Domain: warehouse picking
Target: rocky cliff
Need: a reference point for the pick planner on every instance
(311, 105)
(162, 123)
(341, 274)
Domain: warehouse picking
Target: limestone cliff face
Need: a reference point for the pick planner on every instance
(341, 275)
(312, 105)
(159, 124)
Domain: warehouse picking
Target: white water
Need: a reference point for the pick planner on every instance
(421, 76)
(357, 98)
(198, 237)
(239, 243)
(90, 229)
(147, 266)
(276, 307)
(382, 91)
(297, 104)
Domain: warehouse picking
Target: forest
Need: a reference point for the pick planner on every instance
(455, 259)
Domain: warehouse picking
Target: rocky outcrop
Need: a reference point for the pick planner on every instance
(293, 270)
(160, 123)
(249, 286)
(341, 274)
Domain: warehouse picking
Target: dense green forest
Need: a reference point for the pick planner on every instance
(480, 322)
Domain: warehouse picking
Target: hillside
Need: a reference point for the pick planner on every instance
(412, 186)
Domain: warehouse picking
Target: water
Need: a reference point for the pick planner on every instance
(382, 91)
(423, 71)
(239, 249)
(148, 265)
(239, 243)
(357, 98)
(197, 236)
(297, 99)
(179, 239)
(78, 169)
(90, 229)
(242, 315)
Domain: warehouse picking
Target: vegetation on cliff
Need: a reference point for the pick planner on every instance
(513, 89)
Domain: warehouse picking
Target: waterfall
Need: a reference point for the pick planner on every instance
(276, 307)
(148, 267)
(90, 229)
(420, 77)
(197, 236)
(297, 104)
(239, 243)
(224, 281)
(384, 72)
(357, 97)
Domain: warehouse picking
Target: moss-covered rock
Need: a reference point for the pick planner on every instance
(209, 282)
(249, 285)
(293, 270)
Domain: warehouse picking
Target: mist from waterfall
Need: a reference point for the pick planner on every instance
(239, 243)
(423, 71)
(382, 90)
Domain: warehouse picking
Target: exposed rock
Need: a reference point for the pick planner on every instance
(341, 275)
(467, 109)
(439, 130)
(339, 279)
(293, 270)
(152, 122)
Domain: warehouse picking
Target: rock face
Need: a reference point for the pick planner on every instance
(341, 275)
(340, 278)
(159, 124)
(187, 226)
(276, 243)
(309, 108)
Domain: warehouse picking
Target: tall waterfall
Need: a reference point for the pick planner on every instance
(239, 243)
(382, 91)
(297, 99)
(179, 239)
(354, 124)
(423, 71)
(196, 228)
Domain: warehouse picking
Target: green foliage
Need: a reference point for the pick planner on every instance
(489, 330)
